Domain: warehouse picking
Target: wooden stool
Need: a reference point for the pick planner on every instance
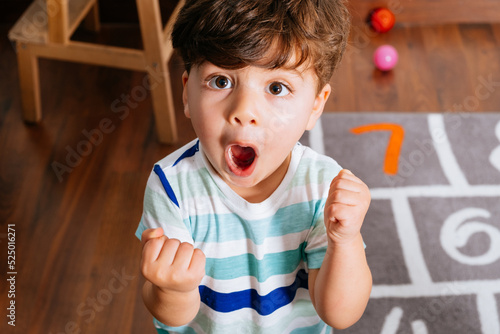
(44, 31)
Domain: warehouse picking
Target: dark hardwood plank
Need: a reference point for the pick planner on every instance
(414, 76)
(482, 53)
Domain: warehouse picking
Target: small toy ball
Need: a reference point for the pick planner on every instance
(381, 20)
(385, 57)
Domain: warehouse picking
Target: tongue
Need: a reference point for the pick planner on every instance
(242, 156)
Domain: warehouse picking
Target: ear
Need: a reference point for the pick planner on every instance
(185, 77)
(319, 105)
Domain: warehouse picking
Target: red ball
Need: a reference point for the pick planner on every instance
(381, 20)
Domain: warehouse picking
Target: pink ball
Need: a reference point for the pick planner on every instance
(385, 57)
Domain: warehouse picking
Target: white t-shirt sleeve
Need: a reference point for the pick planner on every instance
(159, 210)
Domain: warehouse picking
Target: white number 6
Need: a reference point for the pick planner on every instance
(456, 231)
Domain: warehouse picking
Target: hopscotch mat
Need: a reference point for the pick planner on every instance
(433, 228)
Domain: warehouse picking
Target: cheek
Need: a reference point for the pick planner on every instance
(280, 121)
(203, 127)
(289, 117)
(200, 111)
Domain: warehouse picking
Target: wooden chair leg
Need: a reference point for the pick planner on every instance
(163, 106)
(91, 21)
(57, 23)
(29, 80)
(161, 90)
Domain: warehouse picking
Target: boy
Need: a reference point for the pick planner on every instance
(244, 230)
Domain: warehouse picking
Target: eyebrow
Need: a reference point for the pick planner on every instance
(293, 70)
(290, 71)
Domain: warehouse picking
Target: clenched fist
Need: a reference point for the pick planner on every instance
(346, 206)
(170, 264)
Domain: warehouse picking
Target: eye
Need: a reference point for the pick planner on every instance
(220, 82)
(278, 89)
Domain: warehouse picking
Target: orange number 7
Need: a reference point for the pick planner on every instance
(394, 146)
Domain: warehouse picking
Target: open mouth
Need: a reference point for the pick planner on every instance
(240, 159)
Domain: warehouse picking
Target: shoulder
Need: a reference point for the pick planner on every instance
(314, 165)
(174, 169)
(184, 156)
(183, 161)
(313, 174)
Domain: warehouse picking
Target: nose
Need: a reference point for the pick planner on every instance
(244, 108)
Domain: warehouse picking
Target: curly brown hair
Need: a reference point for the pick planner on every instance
(233, 34)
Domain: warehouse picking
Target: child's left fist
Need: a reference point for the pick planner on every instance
(346, 206)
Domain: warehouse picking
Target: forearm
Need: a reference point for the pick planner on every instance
(171, 308)
(343, 284)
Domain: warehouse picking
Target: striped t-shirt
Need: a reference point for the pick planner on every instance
(258, 254)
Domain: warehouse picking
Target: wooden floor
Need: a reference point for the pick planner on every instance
(76, 254)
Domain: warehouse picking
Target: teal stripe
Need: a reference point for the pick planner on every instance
(141, 228)
(229, 227)
(314, 258)
(164, 329)
(311, 329)
(247, 265)
(184, 330)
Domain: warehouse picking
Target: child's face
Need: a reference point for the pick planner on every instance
(248, 120)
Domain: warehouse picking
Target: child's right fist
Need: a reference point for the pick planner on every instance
(170, 264)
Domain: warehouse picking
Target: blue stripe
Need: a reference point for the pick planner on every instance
(264, 305)
(168, 188)
(166, 185)
(188, 153)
